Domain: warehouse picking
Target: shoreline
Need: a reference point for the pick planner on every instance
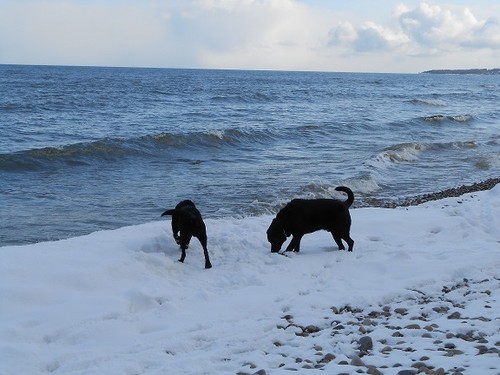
(365, 203)
(447, 193)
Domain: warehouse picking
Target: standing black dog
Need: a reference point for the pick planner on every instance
(187, 219)
(302, 216)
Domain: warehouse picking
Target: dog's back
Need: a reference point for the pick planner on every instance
(310, 215)
(188, 218)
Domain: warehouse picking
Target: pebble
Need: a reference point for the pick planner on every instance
(312, 329)
(417, 365)
(365, 343)
(374, 371)
(356, 361)
(328, 358)
(407, 372)
(453, 352)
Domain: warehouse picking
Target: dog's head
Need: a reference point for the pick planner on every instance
(276, 235)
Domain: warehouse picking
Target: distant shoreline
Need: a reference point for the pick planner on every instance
(493, 71)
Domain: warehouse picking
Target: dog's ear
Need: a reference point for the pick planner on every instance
(168, 212)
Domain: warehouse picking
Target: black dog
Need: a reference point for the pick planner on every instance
(187, 219)
(302, 216)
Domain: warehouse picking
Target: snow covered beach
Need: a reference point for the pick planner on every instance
(420, 292)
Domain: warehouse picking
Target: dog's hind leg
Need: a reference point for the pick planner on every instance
(350, 242)
(203, 241)
(347, 238)
(207, 259)
(338, 240)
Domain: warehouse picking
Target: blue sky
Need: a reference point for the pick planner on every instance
(325, 35)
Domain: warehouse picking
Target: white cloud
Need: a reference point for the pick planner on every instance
(425, 29)
(485, 36)
(345, 33)
(431, 25)
(376, 37)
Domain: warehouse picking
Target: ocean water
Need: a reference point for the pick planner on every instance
(85, 148)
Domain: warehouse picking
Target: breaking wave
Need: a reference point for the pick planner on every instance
(410, 152)
(113, 149)
(400, 153)
(364, 183)
(451, 118)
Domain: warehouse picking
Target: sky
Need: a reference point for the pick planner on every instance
(315, 35)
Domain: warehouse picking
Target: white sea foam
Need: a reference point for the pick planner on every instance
(364, 184)
(400, 153)
(463, 118)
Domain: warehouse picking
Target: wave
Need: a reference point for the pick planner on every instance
(113, 149)
(431, 102)
(410, 152)
(13, 107)
(363, 184)
(452, 118)
(400, 153)
(252, 97)
(452, 145)
(73, 155)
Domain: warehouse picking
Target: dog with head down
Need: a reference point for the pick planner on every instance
(302, 216)
(187, 220)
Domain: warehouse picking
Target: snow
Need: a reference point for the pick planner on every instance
(119, 302)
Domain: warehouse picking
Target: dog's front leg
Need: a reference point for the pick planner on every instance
(175, 231)
(184, 242)
(183, 254)
(294, 244)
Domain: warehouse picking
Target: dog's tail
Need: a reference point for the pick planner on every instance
(350, 195)
(168, 212)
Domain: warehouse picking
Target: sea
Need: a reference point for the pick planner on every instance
(84, 149)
